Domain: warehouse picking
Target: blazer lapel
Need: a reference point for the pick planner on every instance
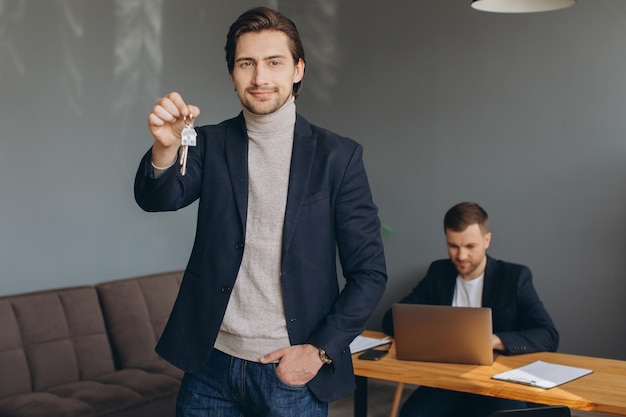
(302, 156)
(489, 283)
(448, 285)
(236, 147)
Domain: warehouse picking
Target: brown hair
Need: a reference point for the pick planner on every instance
(462, 215)
(260, 19)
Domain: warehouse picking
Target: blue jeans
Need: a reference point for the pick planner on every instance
(434, 402)
(232, 387)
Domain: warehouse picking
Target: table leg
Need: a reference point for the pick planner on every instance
(360, 397)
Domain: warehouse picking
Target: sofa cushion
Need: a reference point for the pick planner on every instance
(52, 337)
(136, 311)
(107, 395)
(15, 375)
(43, 404)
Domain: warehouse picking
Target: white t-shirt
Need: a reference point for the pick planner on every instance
(468, 293)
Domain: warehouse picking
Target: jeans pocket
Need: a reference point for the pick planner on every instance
(292, 386)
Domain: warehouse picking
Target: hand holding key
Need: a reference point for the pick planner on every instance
(166, 122)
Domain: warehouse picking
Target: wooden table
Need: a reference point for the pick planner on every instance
(603, 391)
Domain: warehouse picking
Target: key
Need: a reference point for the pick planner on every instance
(183, 159)
(188, 138)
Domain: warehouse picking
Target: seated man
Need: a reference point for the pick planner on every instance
(471, 278)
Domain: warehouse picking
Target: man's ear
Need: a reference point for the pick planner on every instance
(299, 74)
(487, 240)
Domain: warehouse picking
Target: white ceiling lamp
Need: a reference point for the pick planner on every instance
(520, 6)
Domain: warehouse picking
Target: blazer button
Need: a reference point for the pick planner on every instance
(239, 246)
(225, 289)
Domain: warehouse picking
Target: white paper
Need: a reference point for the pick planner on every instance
(542, 374)
(361, 343)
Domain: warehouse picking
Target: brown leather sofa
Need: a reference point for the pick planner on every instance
(88, 350)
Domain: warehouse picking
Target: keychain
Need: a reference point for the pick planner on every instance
(188, 138)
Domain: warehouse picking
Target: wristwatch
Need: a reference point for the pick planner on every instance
(324, 357)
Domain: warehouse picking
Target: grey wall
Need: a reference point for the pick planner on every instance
(524, 114)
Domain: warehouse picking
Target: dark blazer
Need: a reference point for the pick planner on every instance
(329, 211)
(519, 317)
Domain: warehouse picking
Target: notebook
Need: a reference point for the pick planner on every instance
(543, 374)
(434, 333)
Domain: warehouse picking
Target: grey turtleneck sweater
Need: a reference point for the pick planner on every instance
(254, 324)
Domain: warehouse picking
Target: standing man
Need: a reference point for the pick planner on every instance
(260, 326)
(471, 278)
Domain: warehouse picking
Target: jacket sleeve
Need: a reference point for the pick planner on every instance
(360, 248)
(532, 328)
(171, 190)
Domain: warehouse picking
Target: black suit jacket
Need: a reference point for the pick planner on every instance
(329, 210)
(519, 317)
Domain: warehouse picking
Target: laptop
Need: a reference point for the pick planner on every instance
(435, 333)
